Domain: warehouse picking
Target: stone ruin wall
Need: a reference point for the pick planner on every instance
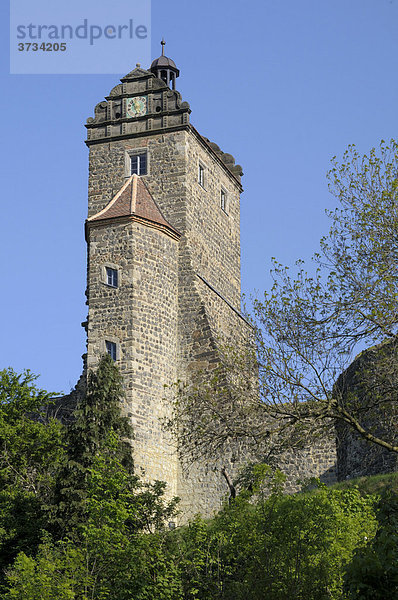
(355, 456)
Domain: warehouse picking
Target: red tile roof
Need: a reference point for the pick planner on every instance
(133, 199)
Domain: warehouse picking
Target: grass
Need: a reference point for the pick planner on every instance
(373, 484)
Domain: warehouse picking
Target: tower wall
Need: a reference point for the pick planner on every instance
(109, 169)
(178, 298)
(213, 235)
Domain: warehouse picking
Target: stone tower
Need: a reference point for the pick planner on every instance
(163, 238)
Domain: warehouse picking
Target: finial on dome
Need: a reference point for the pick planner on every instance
(163, 45)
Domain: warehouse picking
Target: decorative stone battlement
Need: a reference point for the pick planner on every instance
(140, 104)
(227, 159)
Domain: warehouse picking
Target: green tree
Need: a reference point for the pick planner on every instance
(373, 571)
(119, 552)
(30, 454)
(30, 445)
(51, 574)
(276, 547)
(110, 525)
(97, 415)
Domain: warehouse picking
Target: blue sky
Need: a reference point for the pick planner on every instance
(281, 85)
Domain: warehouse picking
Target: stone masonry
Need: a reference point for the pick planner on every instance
(371, 376)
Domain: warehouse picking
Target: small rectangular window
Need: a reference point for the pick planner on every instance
(139, 164)
(111, 349)
(201, 175)
(223, 200)
(111, 277)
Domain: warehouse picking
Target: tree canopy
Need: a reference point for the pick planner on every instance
(263, 543)
(74, 517)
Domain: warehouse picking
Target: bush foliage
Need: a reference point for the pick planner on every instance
(77, 523)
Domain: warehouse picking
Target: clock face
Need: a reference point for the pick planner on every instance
(136, 107)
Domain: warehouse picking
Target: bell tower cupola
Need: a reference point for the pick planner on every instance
(165, 68)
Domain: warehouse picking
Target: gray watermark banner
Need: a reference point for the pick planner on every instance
(79, 36)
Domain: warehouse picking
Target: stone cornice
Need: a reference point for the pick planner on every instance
(127, 136)
(172, 233)
(96, 125)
